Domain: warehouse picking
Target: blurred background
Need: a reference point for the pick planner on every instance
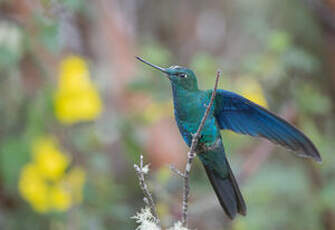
(77, 109)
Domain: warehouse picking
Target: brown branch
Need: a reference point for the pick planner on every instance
(192, 153)
(176, 171)
(148, 199)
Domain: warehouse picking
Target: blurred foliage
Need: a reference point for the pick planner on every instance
(76, 110)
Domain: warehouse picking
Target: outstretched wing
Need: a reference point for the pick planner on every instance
(240, 115)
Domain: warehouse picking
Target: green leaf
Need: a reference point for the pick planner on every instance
(14, 153)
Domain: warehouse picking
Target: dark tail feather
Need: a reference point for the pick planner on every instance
(228, 192)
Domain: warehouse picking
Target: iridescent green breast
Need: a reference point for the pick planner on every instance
(189, 108)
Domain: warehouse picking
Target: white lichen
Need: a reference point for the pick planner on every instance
(177, 226)
(146, 220)
(145, 169)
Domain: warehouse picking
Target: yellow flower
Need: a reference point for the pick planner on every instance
(74, 74)
(252, 90)
(46, 184)
(60, 198)
(76, 99)
(33, 188)
(50, 160)
(77, 106)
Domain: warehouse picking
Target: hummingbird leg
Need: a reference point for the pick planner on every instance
(211, 146)
(198, 137)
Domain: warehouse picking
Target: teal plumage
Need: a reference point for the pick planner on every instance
(233, 112)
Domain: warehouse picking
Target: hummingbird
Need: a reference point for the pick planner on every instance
(229, 111)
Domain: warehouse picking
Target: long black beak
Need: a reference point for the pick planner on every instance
(152, 65)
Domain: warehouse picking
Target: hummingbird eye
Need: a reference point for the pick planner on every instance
(183, 75)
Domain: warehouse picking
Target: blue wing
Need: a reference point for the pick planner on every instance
(240, 115)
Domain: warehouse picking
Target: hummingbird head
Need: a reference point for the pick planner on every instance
(178, 75)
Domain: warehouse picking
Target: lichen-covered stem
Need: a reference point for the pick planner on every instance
(144, 187)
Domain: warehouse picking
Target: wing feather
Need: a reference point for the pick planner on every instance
(236, 113)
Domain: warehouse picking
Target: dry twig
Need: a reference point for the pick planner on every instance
(141, 170)
(192, 153)
(176, 171)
